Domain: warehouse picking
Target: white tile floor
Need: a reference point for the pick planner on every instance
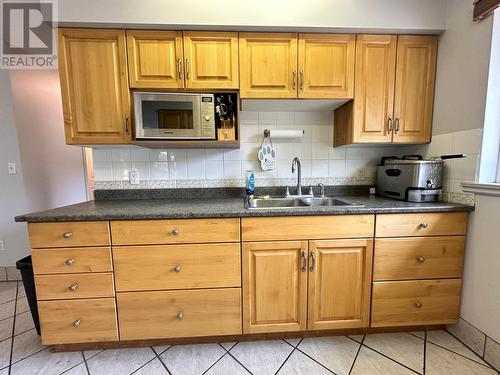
(432, 353)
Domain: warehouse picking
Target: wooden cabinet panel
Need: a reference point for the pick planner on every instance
(374, 87)
(268, 65)
(86, 285)
(406, 303)
(94, 84)
(307, 227)
(326, 66)
(421, 224)
(143, 232)
(418, 258)
(177, 266)
(211, 60)
(339, 284)
(186, 313)
(67, 234)
(78, 321)
(155, 59)
(71, 260)
(274, 286)
(414, 96)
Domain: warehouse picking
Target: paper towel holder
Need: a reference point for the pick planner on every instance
(267, 133)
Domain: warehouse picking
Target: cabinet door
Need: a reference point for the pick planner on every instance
(374, 87)
(211, 60)
(95, 93)
(326, 66)
(274, 286)
(414, 96)
(155, 59)
(339, 283)
(268, 65)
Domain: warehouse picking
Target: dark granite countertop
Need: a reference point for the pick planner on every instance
(133, 209)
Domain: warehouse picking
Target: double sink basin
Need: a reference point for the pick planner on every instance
(298, 202)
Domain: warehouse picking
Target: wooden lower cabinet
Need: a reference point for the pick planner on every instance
(421, 302)
(85, 285)
(339, 284)
(78, 321)
(183, 313)
(274, 286)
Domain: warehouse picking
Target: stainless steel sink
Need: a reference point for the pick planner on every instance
(270, 203)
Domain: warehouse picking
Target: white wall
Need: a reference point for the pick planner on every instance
(12, 198)
(462, 70)
(421, 15)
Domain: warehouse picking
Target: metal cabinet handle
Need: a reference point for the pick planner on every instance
(180, 316)
(396, 129)
(294, 79)
(389, 125)
(420, 259)
(179, 67)
(73, 288)
(69, 262)
(187, 68)
(304, 261)
(76, 323)
(178, 269)
(313, 261)
(424, 225)
(127, 132)
(301, 80)
(418, 304)
(175, 231)
(67, 235)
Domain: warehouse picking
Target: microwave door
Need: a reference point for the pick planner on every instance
(174, 116)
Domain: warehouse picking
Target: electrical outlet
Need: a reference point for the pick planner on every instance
(2, 245)
(11, 168)
(133, 177)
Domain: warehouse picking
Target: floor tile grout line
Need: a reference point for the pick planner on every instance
(418, 337)
(236, 359)
(72, 367)
(463, 356)
(425, 352)
(31, 355)
(213, 364)
(286, 359)
(85, 362)
(13, 329)
(145, 364)
(227, 350)
(392, 359)
(314, 360)
(357, 353)
(161, 360)
(464, 344)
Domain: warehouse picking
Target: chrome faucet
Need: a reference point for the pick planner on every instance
(296, 165)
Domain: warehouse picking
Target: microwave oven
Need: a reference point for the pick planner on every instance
(174, 115)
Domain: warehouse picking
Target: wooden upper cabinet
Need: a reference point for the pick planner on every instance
(339, 283)
(268, 65)
(94, 85)
(155, 59)
(274, 286)
(414, 95)
(211, 60)
(374, 87)
(326, 66)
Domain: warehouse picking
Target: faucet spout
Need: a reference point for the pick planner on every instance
(296, 166)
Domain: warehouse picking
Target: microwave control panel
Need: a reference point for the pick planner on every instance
(207, 116)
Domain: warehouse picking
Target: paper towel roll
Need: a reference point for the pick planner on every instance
(286, 133)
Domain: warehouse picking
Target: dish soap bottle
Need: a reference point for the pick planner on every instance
(250, 184)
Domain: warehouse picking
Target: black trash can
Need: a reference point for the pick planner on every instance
(25, 266)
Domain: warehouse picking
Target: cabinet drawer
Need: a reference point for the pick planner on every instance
(418, 258)
(421, 224)
(71, 260)
(155, 232)
(78, 321)
(183, 313)
(86, 285)
(407, 303)
(67, 234)
(177, 266)
(307, 227)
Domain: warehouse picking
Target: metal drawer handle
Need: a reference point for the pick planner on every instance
(67, 235)
(424, 225)
(418, 304)
(76, 323)
(304, 261)
(175, 231)
(69, 262)
(179, 67)
(178, 269)
(180, 316)
(294, 79)
(396, 129)
(301, 80)
(313, 261)
(73, 288)
(389, 125)
(420, 259)
(187, 68)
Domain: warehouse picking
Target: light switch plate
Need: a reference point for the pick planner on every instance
(2, 245)
(11, 168)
